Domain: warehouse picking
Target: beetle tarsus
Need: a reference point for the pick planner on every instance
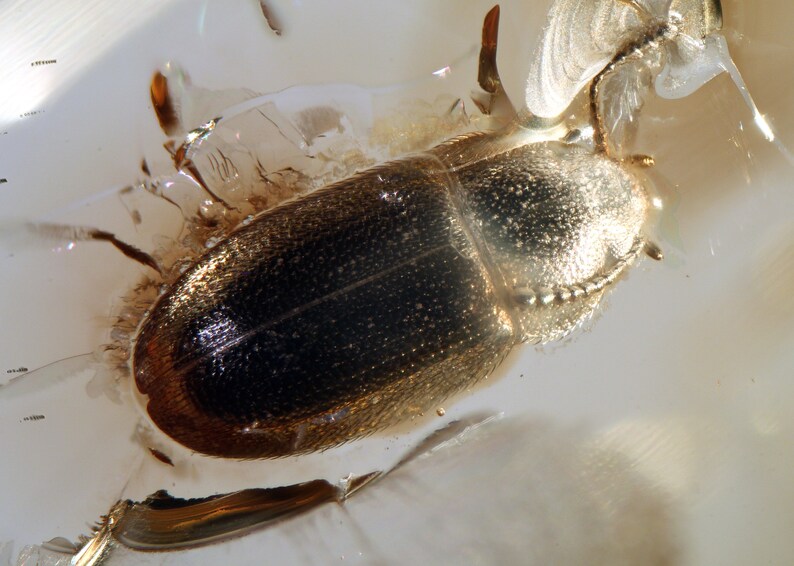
(127, 249)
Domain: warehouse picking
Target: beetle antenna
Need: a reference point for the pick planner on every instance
(631, 50)
(83, 233)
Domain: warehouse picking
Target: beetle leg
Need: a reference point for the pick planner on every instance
(83, 234)
(272, 21)
(184, 164)
(495, 102)
(164, 105)
(162, 522)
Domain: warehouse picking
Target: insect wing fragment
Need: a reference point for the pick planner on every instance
(622, 96)
(580, 38)
(693, 63)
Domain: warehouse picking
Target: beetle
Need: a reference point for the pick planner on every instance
(372, 300)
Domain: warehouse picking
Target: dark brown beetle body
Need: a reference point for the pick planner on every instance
(371, 300)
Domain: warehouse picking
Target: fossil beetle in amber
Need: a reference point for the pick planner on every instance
(371, 300)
